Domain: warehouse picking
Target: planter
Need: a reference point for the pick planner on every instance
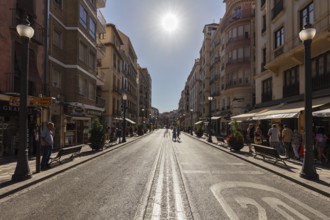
(236, 143)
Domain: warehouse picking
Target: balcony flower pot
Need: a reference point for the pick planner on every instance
(235, 139)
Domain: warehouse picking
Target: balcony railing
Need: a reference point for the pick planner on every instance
(291, 90)
(100, 102)
(266, 97)
(246, 13)
(321, 82)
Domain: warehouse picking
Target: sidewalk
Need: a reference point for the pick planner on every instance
(290, 172)
(8, 165)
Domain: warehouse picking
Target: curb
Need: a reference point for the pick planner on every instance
(313, 188)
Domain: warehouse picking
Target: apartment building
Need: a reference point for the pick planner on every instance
(73, 52)
(130, 76)
(145, 95)
(280, 81)
(111, 65)
(14, 12)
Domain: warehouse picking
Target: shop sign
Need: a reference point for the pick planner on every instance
(93, 112)
(41, 101)
(6, 109)
(14, 101)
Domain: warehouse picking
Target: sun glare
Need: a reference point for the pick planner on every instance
(170, 22)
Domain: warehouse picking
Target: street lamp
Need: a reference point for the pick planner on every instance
(308, 170)
(22, 171)
(210, 98)
(191, 124)
(124, 119)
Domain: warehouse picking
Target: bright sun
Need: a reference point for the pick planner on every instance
(170, 22)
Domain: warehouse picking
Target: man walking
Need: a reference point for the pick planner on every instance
(47, 142)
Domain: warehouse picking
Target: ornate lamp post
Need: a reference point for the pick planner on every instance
(22, 171)
(308, 169)
(191, 122)
(124, 119)
(210, 98)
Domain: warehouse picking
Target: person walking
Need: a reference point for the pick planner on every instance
(287, 138)
(258, 136)
(250, 136)
(274, 141)
(321, 142)
(296, 143)
(47, 142)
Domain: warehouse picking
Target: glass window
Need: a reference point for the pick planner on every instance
(83, 86)
(83, 16)
(92, 28)
(82, 52)
(57, 38)
(91, 60)
(307, 15)
(91, 91)
(56, 78)
(279, 37)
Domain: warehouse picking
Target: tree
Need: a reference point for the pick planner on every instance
(97, 135)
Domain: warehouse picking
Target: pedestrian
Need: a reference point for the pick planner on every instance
(174, 134)
(258, 136)
(118, 135)
(274, 141)
(178, 134)
(250, 136)
(287, 138)
(320, 143)
(296, 143)
(47, 142)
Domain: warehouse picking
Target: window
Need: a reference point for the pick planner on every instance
(279, 37)
(83, 87)
(263, 24)
(56, 78)
(91, 91)
(83, 16)
(307, 15)
(57, 38)
(267, 90)
(263, 59)
(237, 13)
(92, 28)
(262, 2)
(291, 76)
(82, 52)
(58, 2)
(278, 7)
(91, 60)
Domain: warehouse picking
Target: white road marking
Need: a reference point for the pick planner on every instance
(218, 188)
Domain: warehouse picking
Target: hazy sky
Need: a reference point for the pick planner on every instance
(167, 54)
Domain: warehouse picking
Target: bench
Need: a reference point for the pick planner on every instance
(269, 153)
(74, 151)
(222, 141)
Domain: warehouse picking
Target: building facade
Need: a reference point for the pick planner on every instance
(16, 12)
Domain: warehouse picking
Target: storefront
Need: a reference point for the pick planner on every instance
(9, 122)
(77, 122)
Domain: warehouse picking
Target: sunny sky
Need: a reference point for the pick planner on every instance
(167, 36)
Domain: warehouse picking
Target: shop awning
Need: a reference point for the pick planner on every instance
(322, 113)
(199, 122)
(215, 117)
(127, 119)
(249, 115)
(290, 110)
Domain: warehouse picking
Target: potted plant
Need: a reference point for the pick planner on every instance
(199, 132)
(235, 139)
(97, 135)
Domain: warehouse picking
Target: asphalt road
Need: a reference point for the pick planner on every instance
(156, 178)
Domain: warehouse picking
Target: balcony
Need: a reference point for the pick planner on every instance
(101, 3)
(100, 102)
(100, 76)
(100, 50)
(321, 82)
(101, 22)
(246, 13)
